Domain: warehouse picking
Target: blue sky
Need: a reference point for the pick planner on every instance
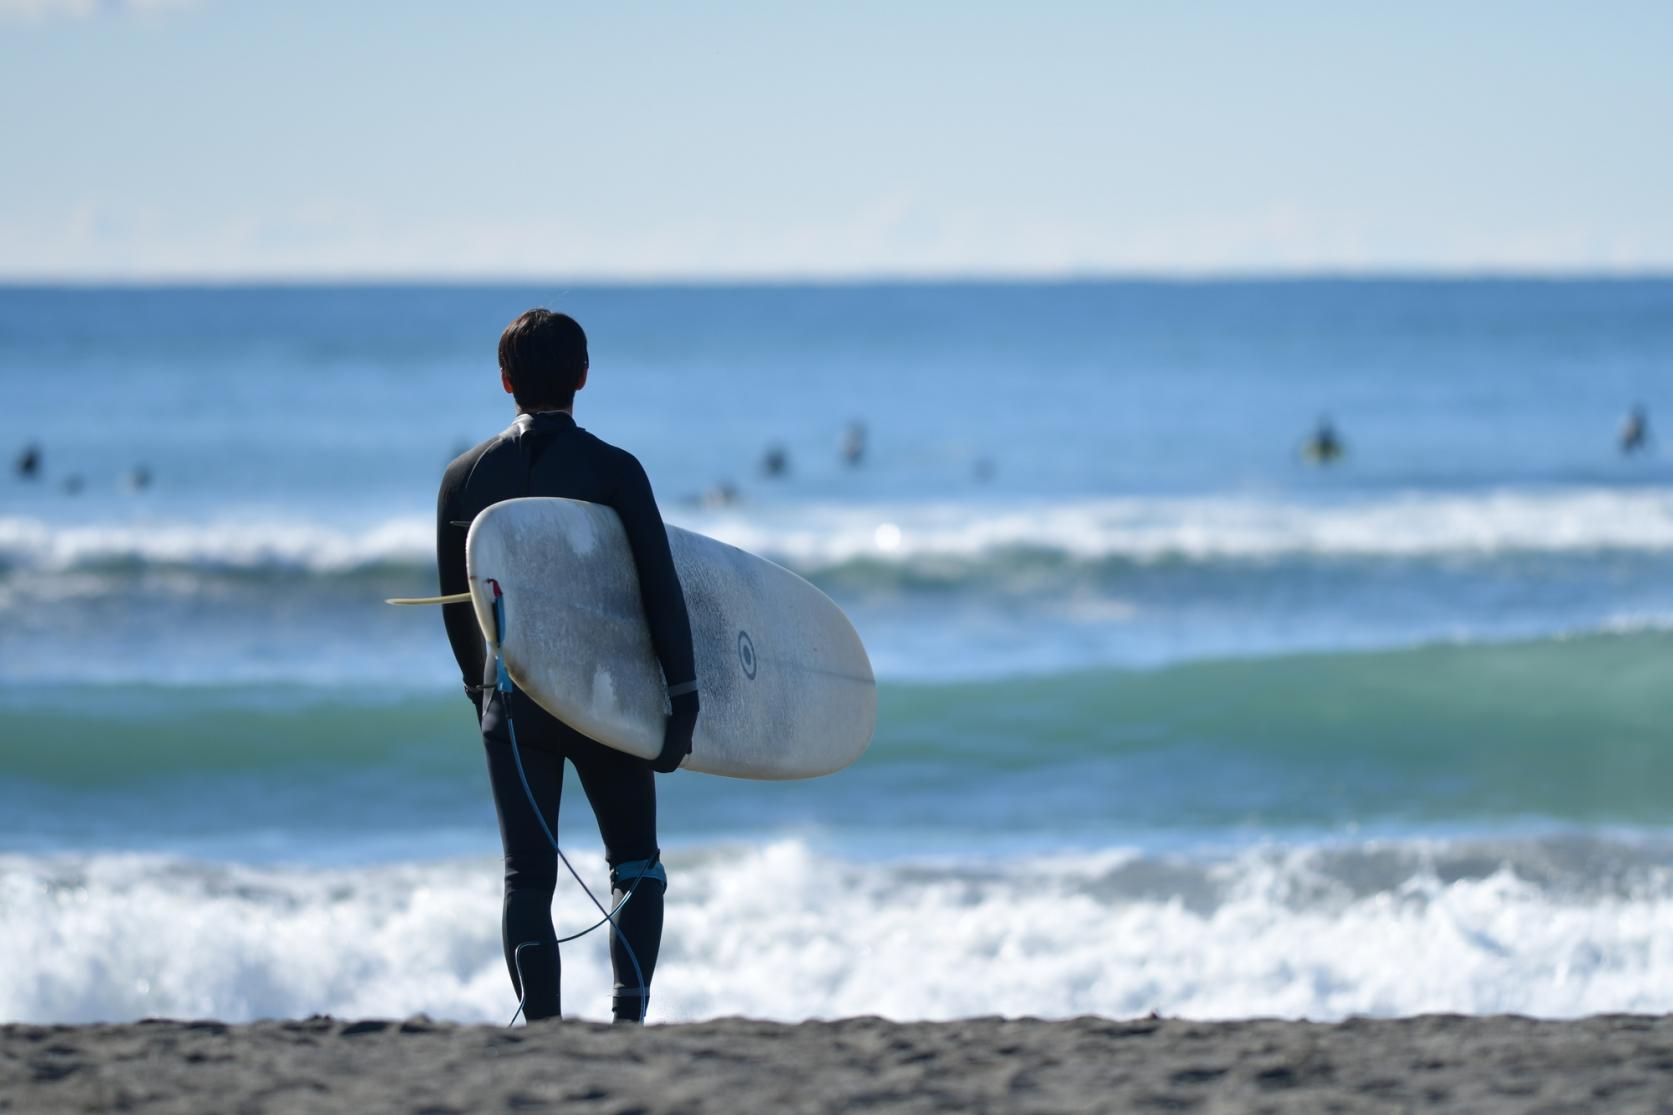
(229, 138)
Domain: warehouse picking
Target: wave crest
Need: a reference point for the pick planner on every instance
(822, 537)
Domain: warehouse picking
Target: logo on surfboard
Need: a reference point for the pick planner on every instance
(746, 654)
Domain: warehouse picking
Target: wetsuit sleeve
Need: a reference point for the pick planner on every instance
(462, 631)
(659, 584)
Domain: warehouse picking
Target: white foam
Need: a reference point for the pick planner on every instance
(815, 536)
(220, 543)
(1219, 527)
(782, 932)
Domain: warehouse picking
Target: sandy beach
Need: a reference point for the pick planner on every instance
(1618, 1063)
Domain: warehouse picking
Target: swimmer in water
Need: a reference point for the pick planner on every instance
(1635, 431)
(1325, 446)
(29, 462)
(853, 448)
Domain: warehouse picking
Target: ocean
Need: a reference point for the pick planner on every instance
(1169, 719)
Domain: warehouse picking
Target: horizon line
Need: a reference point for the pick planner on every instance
(856, 279)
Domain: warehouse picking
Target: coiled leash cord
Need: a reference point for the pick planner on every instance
(502, 684)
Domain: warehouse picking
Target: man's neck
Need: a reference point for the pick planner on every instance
(569, 410)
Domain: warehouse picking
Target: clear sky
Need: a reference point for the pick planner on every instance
(409, 138)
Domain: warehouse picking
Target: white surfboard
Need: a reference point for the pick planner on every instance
(785, 685)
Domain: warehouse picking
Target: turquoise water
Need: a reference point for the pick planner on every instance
(1137, 659)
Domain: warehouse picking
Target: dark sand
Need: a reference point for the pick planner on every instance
(1616, 1063)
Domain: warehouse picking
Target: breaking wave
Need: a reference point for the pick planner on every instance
(1554, 926)
(818, 538)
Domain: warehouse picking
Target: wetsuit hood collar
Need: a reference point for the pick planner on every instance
(544, 421)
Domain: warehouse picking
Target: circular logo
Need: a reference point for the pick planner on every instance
(746, 654)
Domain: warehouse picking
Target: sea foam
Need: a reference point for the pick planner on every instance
(778, 931)
(818, 536)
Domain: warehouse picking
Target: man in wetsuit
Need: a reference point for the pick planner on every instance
(543, 362)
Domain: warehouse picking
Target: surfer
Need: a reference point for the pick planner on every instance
(1635, 431)
(775, 463)
(1325, 446)
(29, 462)
(723, 494)
(543, 362)
(853, 446)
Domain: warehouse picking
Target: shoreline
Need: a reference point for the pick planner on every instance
(1620, 1063)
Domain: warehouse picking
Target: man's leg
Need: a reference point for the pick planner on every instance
(531, 866)
(622, 791)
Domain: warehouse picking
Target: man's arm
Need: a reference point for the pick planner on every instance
(462, 631)
(665, 612)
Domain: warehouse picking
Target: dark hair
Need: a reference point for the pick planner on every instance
(543, 354)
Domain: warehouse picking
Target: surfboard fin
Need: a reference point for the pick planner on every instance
(455, 598)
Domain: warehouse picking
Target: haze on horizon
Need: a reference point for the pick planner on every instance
(229, 139)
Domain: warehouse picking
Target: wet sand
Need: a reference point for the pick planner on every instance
(1616, 1063)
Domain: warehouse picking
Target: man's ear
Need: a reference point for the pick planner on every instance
(505, 382)
(582, 382)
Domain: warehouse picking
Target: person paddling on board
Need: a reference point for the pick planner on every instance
(543, 362)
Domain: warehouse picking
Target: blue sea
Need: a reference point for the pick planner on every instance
(1169, 718)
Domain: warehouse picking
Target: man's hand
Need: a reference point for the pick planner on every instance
(676, 737)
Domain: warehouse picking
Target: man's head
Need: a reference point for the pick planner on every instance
(543, 360)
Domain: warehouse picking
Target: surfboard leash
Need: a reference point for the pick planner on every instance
(504, 686)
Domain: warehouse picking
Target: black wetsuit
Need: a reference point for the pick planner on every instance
(548, 455)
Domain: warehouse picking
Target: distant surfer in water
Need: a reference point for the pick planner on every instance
(775, 462)
(1325, 446)
(543, 362)
(29, 461)
(853, 446)
(1635, 431)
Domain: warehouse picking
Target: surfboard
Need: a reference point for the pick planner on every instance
(787, 690)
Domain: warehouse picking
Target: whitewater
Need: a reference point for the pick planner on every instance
(780, 931)
(942, 590)
(817, 536)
